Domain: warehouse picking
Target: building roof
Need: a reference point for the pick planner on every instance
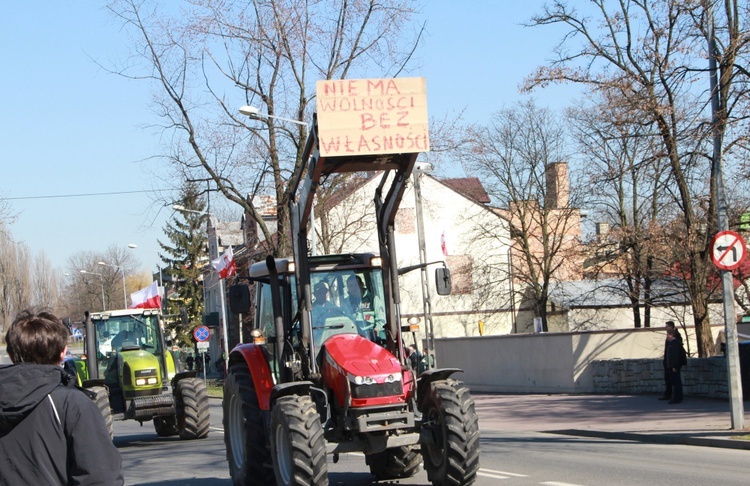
(470, 187)
(614, 293)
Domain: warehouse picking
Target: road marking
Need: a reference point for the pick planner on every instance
(217, 429)
(493, 476)
(555, 483)
(504, 473)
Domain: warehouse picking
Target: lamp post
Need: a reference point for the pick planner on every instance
(124, 292)
(419, 169)
(253, 112)
(104, 307)
(213, 243)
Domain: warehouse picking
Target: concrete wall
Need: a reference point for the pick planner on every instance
(549, 362)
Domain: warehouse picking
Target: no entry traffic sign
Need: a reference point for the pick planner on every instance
(728, 250)
(201, 334)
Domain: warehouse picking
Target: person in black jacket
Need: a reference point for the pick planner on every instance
(50, 432)
(667, 372)
(673, 361)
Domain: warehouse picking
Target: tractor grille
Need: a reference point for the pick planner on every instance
(378, 390)
(148, 407)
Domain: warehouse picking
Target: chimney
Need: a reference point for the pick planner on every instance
(557, 185)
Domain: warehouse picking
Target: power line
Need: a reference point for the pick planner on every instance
(57, 196)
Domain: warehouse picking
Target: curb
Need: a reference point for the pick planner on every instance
(671, 439)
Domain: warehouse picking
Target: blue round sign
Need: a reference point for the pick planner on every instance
(201, 334)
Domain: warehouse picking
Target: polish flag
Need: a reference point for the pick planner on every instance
(225, 264)
(147, 298)
(443, 246)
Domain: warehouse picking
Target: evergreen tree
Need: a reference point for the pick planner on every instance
(185, 257)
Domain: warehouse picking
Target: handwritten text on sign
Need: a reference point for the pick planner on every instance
(372, 116)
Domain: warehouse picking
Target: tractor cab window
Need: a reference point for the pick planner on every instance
(129, 331)
(348, 302)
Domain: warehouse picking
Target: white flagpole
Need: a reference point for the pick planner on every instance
(224, 326)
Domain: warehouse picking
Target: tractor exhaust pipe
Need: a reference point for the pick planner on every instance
(91, 358)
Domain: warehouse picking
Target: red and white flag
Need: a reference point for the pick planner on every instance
(147, 298)
(443, 246)
(225, 264)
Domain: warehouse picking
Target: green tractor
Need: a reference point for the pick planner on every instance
(127, 364)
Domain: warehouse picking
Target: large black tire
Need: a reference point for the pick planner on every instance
(193, 416)
(245, 438)
(166, 426)
(396, 463)
(102, 403)
(452, 459)
(298, 448)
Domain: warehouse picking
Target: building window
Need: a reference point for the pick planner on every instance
(405, 221)
(461, 267)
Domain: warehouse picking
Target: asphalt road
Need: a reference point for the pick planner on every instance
(508, 458)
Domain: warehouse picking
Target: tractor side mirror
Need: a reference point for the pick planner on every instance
(239, 299)
(443, 281)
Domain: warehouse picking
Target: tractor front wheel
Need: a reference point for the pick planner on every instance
(193, 417)
(396, 463)
(102, 403)
(451, 458)
(298, 448)
(245, 436)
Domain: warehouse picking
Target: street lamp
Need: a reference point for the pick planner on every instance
(104, 307)
(419, 169)
(133, 246)
(253, 112)
(124, 292)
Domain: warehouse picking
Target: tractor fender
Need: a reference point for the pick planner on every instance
(252, 355)
(182, 375)
(90, 383)
(429, 376)
(291, 388)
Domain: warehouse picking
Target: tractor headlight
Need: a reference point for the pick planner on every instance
(364, 380)
(393, 378)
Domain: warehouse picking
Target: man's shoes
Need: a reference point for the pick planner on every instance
(675, 401)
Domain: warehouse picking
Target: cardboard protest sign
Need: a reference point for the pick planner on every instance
(372, 116)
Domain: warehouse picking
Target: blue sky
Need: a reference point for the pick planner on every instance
(70, 128)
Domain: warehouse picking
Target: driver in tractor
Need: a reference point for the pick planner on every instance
(360, 305)
(322, 307)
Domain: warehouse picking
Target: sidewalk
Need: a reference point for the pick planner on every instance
(695, 421)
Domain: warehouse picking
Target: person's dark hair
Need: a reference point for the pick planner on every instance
(670, 324)
(36, 337)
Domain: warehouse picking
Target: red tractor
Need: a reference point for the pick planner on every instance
(326, 372)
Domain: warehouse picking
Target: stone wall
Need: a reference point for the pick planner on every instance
(702, 377)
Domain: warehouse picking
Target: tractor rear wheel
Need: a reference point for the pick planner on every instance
(166, 426)
(245, 436)
(396, 463)
(452, 457)
(191, 399)
(298, 448)
(102, 403)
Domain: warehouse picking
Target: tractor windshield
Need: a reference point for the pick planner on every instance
(117, 332)
(348, 302)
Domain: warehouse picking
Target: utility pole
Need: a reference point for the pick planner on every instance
(730, 319)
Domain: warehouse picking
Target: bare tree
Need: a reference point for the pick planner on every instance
(651, 55)
(15, 286)
(518, 158)
(207, 58)
(628, 189)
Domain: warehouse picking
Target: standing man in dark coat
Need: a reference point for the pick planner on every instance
(673, 360)
(50, 432)
(667, 373)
